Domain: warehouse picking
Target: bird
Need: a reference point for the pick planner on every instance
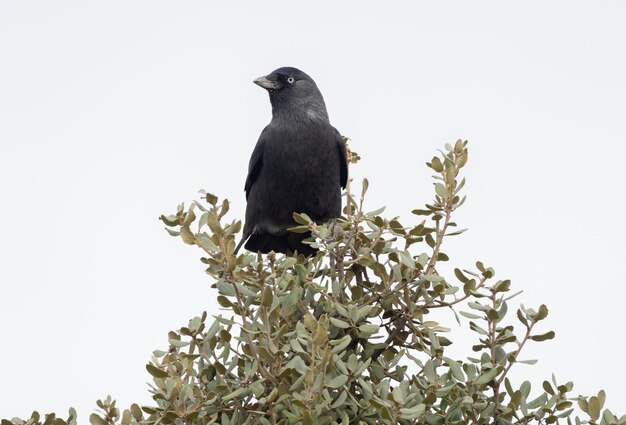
(298, 165)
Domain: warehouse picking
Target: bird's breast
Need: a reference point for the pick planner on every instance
(301, 171)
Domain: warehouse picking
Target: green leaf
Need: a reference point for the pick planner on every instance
(436, 164)
(136, 411)
(339, 323)
(456, 232)
(455, 369)
(486, 377)
(543, 337)
(95, 419)
(302, 218)
(459, 275)
(521, 318)
(548, 388)
(375, 212)
(299, 229)
(542, 313)
(583, 404)
(364, 188)
(287, 263)
(189, 217)
(340, 344)
(126, 417)
(493, 315)
(440, 189)
(525, 388)
(502, 285)
(156, 372)
(398, 394)
(169, 220)
(172, 232)
(225, 288)
(430, 241)
(187, 235)
(321, 334)
(267, 297)
(478, 306)
(460, 186)
(225, 208)
(258, 388)
(410, 413)
(369, 328)
(238, 393)
(364, 312)
(601, 398)
(433, 278)
(178, 343)
(406, 259)
(469, 315)
(594, 408)
(211, 199)
(429, 371)
(297, 364)
(422, 259)
(206, 243)
(338, 381)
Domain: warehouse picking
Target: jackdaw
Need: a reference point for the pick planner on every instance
(298, 165)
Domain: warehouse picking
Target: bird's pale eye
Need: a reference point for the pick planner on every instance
(291, 80)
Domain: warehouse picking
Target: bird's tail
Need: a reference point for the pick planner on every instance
(286, 243)
(243, 239)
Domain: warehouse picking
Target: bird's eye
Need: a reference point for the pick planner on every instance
(291, 80)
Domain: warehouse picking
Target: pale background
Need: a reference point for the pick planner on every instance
(112, 113)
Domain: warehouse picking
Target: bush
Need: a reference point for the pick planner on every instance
(346, 336)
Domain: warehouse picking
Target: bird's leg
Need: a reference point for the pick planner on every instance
(361, 276)
(335, 230)
(364, 276)
(358, 273)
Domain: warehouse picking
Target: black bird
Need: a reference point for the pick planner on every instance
(298, 165)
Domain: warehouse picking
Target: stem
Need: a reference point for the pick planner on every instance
(266, 374)
(430, 268)
(492, 345)
(441, 233)
(368, 250)
(458, 300)
(519, 349)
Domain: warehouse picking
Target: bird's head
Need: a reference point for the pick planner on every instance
(294, 93)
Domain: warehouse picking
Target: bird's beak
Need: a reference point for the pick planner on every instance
(266, 83)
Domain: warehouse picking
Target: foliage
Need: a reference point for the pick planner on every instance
(346, 336)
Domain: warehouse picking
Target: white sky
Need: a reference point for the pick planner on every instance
(112, 113)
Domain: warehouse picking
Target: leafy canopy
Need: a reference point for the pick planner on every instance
(346, 336)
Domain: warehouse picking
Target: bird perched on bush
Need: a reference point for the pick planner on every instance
(298, 165)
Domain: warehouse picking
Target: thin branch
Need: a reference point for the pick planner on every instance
(480, 285)
(492, 346)
(519, 349)
(266, 374)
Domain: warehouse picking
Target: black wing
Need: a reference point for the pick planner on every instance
(343, 160)
(254, 167)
